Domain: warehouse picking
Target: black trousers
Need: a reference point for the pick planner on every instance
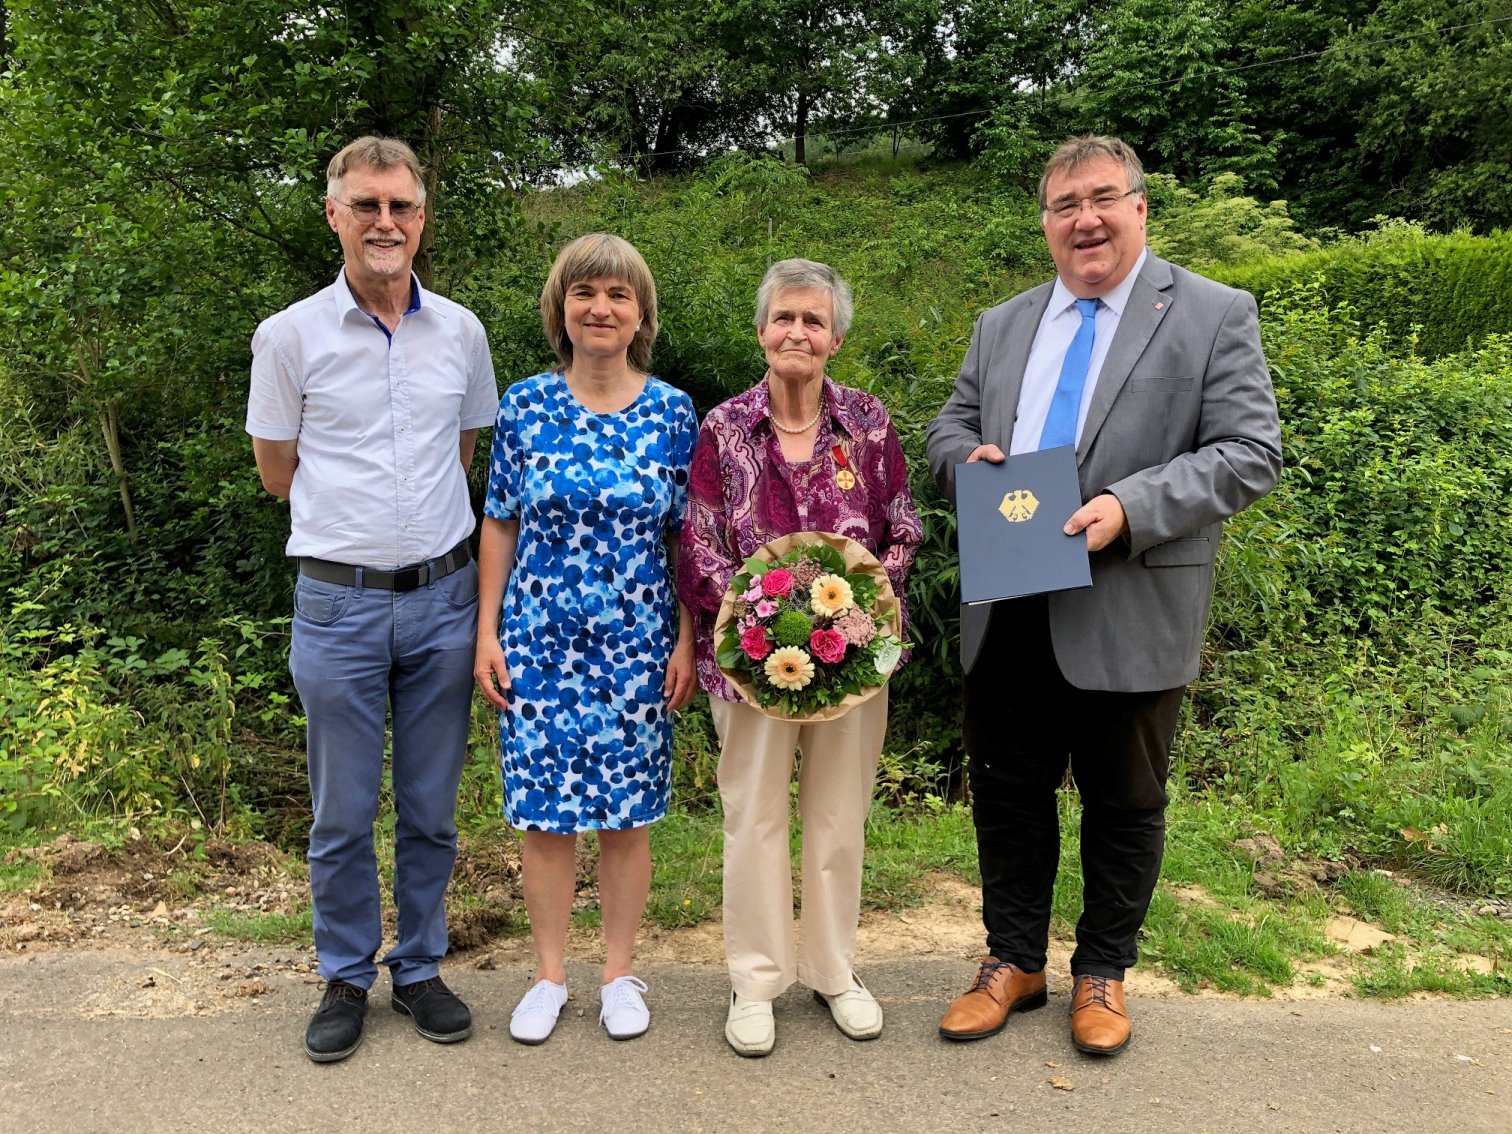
(1024, 724)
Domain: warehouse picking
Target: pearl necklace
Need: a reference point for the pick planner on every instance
(805, 427)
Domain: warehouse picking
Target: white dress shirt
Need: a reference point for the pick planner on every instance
(378, 418)
(1051, 341)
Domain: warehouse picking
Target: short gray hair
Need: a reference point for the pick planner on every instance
(799, 273)
(1074, 153)
(373, 152)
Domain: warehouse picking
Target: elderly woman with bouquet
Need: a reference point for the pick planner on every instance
(797, 453)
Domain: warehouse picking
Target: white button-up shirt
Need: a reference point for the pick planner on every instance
(1051, 341)
(380, 482)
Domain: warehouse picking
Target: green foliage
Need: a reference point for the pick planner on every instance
(1156, 75)
(1391, 973)
(902, 849)
(1451, 166)
(1358, 689)
(1433, 294)
(1397, 467)
(687, 880)
(1356, 682)
(261, 928)
(1219, 227)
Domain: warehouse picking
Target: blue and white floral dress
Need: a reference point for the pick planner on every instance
(590, 617)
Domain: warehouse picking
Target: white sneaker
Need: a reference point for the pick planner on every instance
(750, 1028)
(536, 1014)
(855, 1010)
(624, 1013)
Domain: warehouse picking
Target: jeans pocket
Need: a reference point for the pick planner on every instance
(321, 604)
(460, 588)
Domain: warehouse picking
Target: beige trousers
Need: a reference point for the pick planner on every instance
(835, 780)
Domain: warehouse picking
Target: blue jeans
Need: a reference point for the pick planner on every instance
(359, 654)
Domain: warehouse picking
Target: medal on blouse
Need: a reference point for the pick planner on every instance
(843, 476)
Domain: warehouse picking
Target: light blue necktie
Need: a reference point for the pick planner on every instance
(1065, 406)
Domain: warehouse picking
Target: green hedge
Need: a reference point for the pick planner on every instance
(1452, 290)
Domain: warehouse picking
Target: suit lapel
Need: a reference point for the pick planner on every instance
(1149, 303)
(1002, 412)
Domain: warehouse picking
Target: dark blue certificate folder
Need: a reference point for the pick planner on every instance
(1009, 521)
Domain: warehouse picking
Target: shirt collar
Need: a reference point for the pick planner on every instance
(1116, 300)
(346, 302)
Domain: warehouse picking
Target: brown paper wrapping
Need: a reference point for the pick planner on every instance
(858, 561)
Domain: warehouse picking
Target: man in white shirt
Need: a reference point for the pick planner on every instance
(365, 404)
(1156, 377)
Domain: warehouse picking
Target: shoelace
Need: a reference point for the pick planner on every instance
(339, 990)
(985, 974)
(622, 992)
(538, 999)
(1099, 987)
(422, 987)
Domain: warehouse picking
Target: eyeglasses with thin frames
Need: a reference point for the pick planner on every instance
(1104, 202)
(367, 210)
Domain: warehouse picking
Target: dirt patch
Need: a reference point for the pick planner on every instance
(1355, 936)
(1277, 876)
(143, 895)
(90, 892)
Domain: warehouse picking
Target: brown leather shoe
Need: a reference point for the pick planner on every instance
(1099, 1020)
(1000, 990)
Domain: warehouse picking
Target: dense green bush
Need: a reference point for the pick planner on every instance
(1358, 683)
(1358, 677)
(1438, 294)
(1219, 226)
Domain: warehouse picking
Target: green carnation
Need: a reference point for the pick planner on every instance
(792, 628)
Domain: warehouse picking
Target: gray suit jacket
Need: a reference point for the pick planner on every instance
(1182, 428)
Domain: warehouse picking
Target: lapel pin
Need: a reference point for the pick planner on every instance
(1159, 306)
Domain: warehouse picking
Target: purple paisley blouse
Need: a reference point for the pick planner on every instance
(742, 494)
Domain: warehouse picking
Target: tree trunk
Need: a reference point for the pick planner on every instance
(433, 157)
(800, 127)
(110, 426)
(667, 151)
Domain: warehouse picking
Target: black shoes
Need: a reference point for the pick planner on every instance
(335, 1030)
(439, 1015)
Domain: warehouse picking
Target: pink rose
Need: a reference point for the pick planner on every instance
(777, 583)
(827, 645)
(754, 643)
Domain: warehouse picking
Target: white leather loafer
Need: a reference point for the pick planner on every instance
(855, 1010)
(750, 1028)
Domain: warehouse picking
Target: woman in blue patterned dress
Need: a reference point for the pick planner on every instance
(586, 492)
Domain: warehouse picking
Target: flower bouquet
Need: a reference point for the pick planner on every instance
(810, 628)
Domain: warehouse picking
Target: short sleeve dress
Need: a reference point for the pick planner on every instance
(589, 617)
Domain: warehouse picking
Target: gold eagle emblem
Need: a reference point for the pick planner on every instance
(1018, 506)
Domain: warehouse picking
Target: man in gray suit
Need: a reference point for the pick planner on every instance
(1156, 376)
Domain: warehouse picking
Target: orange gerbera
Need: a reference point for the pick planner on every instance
(831, 595)
(789, 668)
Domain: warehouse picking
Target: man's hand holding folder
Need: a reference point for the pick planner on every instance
(1013, 528)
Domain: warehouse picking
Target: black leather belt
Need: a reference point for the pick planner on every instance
(404, 579)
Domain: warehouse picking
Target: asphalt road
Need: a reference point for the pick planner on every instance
(84, 1049)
